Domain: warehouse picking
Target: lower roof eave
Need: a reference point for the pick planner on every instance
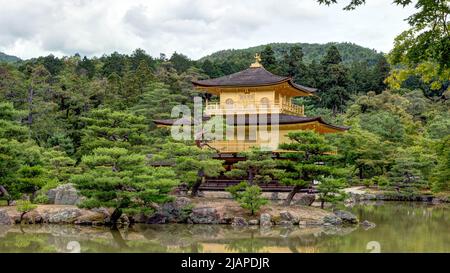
(282, 120)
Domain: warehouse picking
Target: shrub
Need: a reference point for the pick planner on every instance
(41, 199)
(24, 206)
(248, 197)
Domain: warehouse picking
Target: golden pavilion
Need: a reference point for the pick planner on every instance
(257, 98)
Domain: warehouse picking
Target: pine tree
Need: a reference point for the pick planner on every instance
(332, 56)
(330, 191)
(251, 199)
(258, 167)
(117, 178)
(440, 178)
(364, 151)
(86, 67)
(380, 73)
(191, 163)
(310, 158)
(410, 170)
(334, 81)
(294, 62)
(157, 102)
(20, 159)
(268, 59)
(108, 128)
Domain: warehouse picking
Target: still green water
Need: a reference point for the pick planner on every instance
(400, 227)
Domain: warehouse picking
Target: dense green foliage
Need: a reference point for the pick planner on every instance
(310, 158)
(190, 162)
(116, 178)
(429, 35)
(421, 52)
(89, 121)
(312, 52)
(259, 167)
(248, 196)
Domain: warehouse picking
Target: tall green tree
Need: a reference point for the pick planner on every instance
(180, 62)
(249, 197)
(21, 168)
(427, 39)
(258, 167)
(440, 178)
(310, 158)
(380, 73)
(292, 63)
(364, 152)
(108, 128)
(117, 178)
(268, 59)
(334, 81)
(407, 172)
(331, 191)
(191, 163)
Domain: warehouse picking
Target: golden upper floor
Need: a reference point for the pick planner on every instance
(254, 90)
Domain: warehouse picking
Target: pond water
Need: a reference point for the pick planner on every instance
(400, 227)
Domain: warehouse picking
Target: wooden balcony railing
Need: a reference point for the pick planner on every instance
(215, 108)
(236, 146)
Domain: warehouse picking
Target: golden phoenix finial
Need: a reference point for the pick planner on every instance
(257, 62)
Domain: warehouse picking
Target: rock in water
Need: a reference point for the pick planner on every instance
(65, 194)
(332, 220)
(265, 220)
(253, 222)
(367, 225)
(4, 218)
(239, 221)
(346, 217)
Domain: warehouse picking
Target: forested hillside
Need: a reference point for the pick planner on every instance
(312, 52)
(8, 58)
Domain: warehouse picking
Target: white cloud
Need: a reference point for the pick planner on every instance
(196, 28)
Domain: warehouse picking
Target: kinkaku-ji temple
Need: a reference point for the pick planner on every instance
(246, 96)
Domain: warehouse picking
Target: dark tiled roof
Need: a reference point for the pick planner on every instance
(304, 88)
(282, 119)
(251, 77)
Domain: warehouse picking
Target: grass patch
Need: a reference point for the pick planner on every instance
(3, 203)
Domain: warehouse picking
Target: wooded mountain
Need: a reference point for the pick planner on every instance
(8, 58)
(349, 52)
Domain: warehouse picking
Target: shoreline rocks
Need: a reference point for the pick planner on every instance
(346, 217)
(239, 221)
(265, 220)
(5, 219)
(359, 195)
(204, 215)
(183, 210)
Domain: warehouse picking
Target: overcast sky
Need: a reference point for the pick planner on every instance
(30, 28)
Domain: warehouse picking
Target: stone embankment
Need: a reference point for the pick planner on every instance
(185, 210)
